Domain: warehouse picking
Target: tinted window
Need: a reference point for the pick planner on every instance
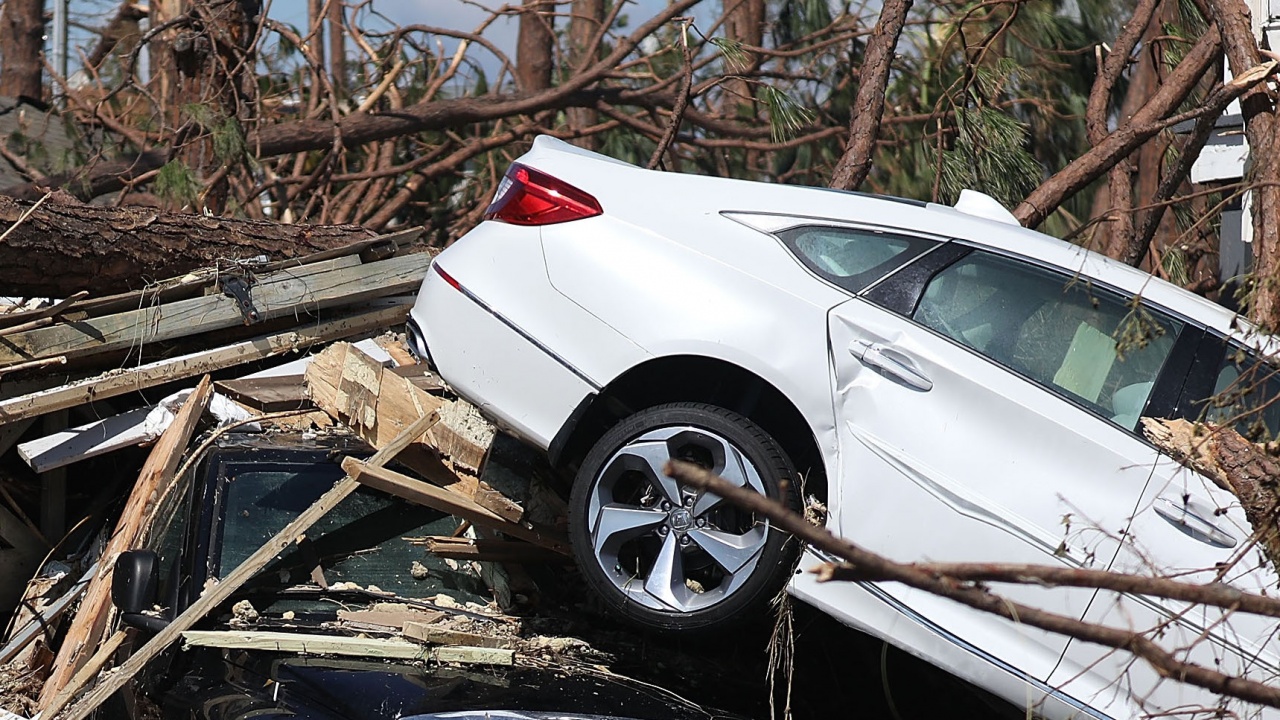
(370, 538)
(1082, 342)
(1246, 395)
(850, 257)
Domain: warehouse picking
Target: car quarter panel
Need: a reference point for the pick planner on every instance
(672, 300)
(509, 342)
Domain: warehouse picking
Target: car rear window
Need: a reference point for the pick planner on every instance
(852, 258)
(1246, 396)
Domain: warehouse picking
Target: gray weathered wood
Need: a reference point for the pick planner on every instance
(288, 292)
(31, 630)
(162, 371)
(86, 441)
(219, 592)
(440, 499)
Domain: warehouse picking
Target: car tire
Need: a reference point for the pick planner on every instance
(698, 563)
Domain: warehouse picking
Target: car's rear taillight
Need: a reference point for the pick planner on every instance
(530, 197)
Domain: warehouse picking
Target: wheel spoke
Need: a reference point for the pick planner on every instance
(730, 551)
(619, 523)
(736, 472)
(655, 455)
(667, 574)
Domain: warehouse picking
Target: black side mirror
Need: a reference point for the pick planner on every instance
(134, 584)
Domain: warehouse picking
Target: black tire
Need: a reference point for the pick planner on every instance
(702, 564)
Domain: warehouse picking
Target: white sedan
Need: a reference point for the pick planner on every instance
(951, 386)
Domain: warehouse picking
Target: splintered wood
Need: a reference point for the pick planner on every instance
(378, 403)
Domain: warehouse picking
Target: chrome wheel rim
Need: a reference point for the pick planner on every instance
(669, 547)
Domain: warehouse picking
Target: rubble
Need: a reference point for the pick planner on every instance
(91, 380)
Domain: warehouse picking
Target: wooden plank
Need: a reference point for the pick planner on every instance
(19, 322)
(346, 384)
(162, 371)
(215, 595)
(427, 633)
(392, 616)
(86, 630)
(34, 628)
(86, 441)
(91, 667)
(53, 486)
(282, 294)
(463, 548)
(416, 491)
(268, 394)
(473, 655)
(381, 648)
(374, 401)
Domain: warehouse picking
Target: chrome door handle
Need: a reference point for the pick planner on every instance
(884, 357)
(1193, 518)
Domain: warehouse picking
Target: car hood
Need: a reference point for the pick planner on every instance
(215, 684)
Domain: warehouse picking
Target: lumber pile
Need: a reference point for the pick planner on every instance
(144, 383)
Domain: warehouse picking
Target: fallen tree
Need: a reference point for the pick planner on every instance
(54, 249)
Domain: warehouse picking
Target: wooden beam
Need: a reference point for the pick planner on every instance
(86, 630)
(35, 627)
(305, 290)
(422, 493)
(373, 400)
(53, 486)
(86, 441)
(382, 648)
(380, 315)
(503, 551)
(91, 667)
(429, 633)
(268, 394)
(219, 592)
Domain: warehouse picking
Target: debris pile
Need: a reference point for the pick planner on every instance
(112, 412)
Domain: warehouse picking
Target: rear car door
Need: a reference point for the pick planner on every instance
(986, 407)
(1188, 528)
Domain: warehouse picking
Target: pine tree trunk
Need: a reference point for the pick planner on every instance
(61, 249)
(21, 48)
(534, 46)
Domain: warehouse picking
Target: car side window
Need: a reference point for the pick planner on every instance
(1085, 343)
(852, 258)
(1246, 395)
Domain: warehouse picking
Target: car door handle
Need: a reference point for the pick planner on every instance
(884, 357)
(1194, 518)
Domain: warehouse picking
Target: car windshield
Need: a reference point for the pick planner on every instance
(370, 539)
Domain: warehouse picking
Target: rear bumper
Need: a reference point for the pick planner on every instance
(495, 364)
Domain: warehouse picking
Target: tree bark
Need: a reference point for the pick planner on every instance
(337, 47)
(1238, 466)
(1131, 133)
(584, 24)
(61, 249)
(1260, 126)
(868, 104)
(22, 49)
(535, 46)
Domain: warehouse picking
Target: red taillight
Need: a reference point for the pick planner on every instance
(529, 197)
(446, 277)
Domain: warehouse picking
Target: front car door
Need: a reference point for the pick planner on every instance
(987, 407)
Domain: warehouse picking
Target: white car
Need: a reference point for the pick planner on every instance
(952, 386)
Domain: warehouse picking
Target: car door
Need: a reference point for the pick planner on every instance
(986, 407)
(1188, 528)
